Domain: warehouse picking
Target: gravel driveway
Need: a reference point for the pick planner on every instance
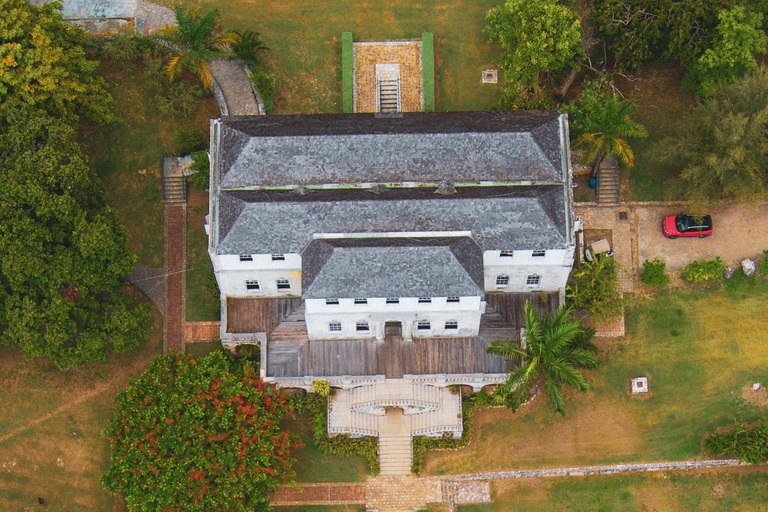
(740, 231)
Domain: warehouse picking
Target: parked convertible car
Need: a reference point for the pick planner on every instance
(676, 226)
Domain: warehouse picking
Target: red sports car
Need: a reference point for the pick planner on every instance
(676, 226)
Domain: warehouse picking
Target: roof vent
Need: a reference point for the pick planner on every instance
(301, 190)
(446, 188)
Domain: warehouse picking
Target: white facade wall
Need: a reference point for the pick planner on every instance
(467, 313)
(552, 268)
(232, 275)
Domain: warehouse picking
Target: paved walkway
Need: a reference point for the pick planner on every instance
(175, 286)
(320, 494)
(236, 88)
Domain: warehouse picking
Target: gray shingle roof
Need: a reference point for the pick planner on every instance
(392, 268)
(512, 218)
(459, 147)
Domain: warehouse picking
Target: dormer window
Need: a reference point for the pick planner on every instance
(502, 281)
(246, 257)
(331, 302)
(278, 257)
(252, 285)
(393, 300)
(507, 254)
(425, 300)
(539, 252)
(453, 300)
(283, 284)
(361, 301)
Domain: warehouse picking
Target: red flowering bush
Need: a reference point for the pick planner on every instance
(199, 436)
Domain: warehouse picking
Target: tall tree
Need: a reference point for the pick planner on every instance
(536, 38)
(196, 40)
(722, 145)
(199, 436)
(601, 124)
(730, 56)
(593, 289)
(555, 348)
(43, 65)
(63, 258)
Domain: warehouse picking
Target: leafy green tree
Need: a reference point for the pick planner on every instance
(63, 255)
(199, 435)
(722, 146)
(731, 54)
(43, 65)
(593, 288)
(555, 348)
(601, 124)
(249, 47)
(196, 40)
(537, 38)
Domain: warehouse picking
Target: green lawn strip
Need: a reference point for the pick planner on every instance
(127, 156)
(347, 72)
(201, 348)
(202, 298)
(304, 37)
(732, 490)
(700, 349)
(428, 70)
(312, 465)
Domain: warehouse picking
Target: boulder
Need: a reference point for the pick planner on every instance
(729, 271)
(749, 267)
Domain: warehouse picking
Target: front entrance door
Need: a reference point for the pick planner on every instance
(393, 329)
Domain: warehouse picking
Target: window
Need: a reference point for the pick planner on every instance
(453, 299)
(246, 257)
(539, 252)
(334, 326)
(283, 284)
(425, 300)
(332, 302)
(278, 257)
(361, 301)
(533, 280)
(502, 280)
(423, 325)
(393, 300)
(252, 285)
(507, 254)
(362, 327)
(451, 325)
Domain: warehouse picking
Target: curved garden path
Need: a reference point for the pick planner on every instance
(236, 89)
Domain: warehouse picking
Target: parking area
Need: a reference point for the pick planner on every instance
(740, 231)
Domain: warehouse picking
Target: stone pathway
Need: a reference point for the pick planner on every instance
(320, 494)
(402, 493)
(235, 88)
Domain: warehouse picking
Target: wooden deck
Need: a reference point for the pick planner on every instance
(250, 315)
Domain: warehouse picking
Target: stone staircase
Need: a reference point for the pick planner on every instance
(174, 189)
(395, 447)
(389, 96)
(414, 397)
(608, 184)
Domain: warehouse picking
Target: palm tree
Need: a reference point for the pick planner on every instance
(553, 350)
(605, 128)
(196, 40)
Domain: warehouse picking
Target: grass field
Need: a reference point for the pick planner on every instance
(305, 41)
(128, 156)
(202, 293)
(699, 349)
(50, 428)
(312, 465)
(741, 489)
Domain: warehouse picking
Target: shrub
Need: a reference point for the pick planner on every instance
(704, 270)
(248, 47)
(321, 387)
(764, 264)
(122, 49)
(592, 288)
(189, 139)
(750, 446)
(265, 84)
(177, 99)
(201, 165)
(653, 273)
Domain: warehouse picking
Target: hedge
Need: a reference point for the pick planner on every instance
(347, 72)
(428, 70)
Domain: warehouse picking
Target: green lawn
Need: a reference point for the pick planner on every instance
(202, 293)
(312, 465)
(128, 156)
(740, 489)
(700, 349)
(201, 348)
(51, 423)
(305, 41)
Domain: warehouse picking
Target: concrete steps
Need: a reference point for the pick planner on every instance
(395, 455)
(608, 184)
(174, 189)
(389, 96)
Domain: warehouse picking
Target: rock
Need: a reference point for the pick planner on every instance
(756, 386)
(749, 267)
(729, 271)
